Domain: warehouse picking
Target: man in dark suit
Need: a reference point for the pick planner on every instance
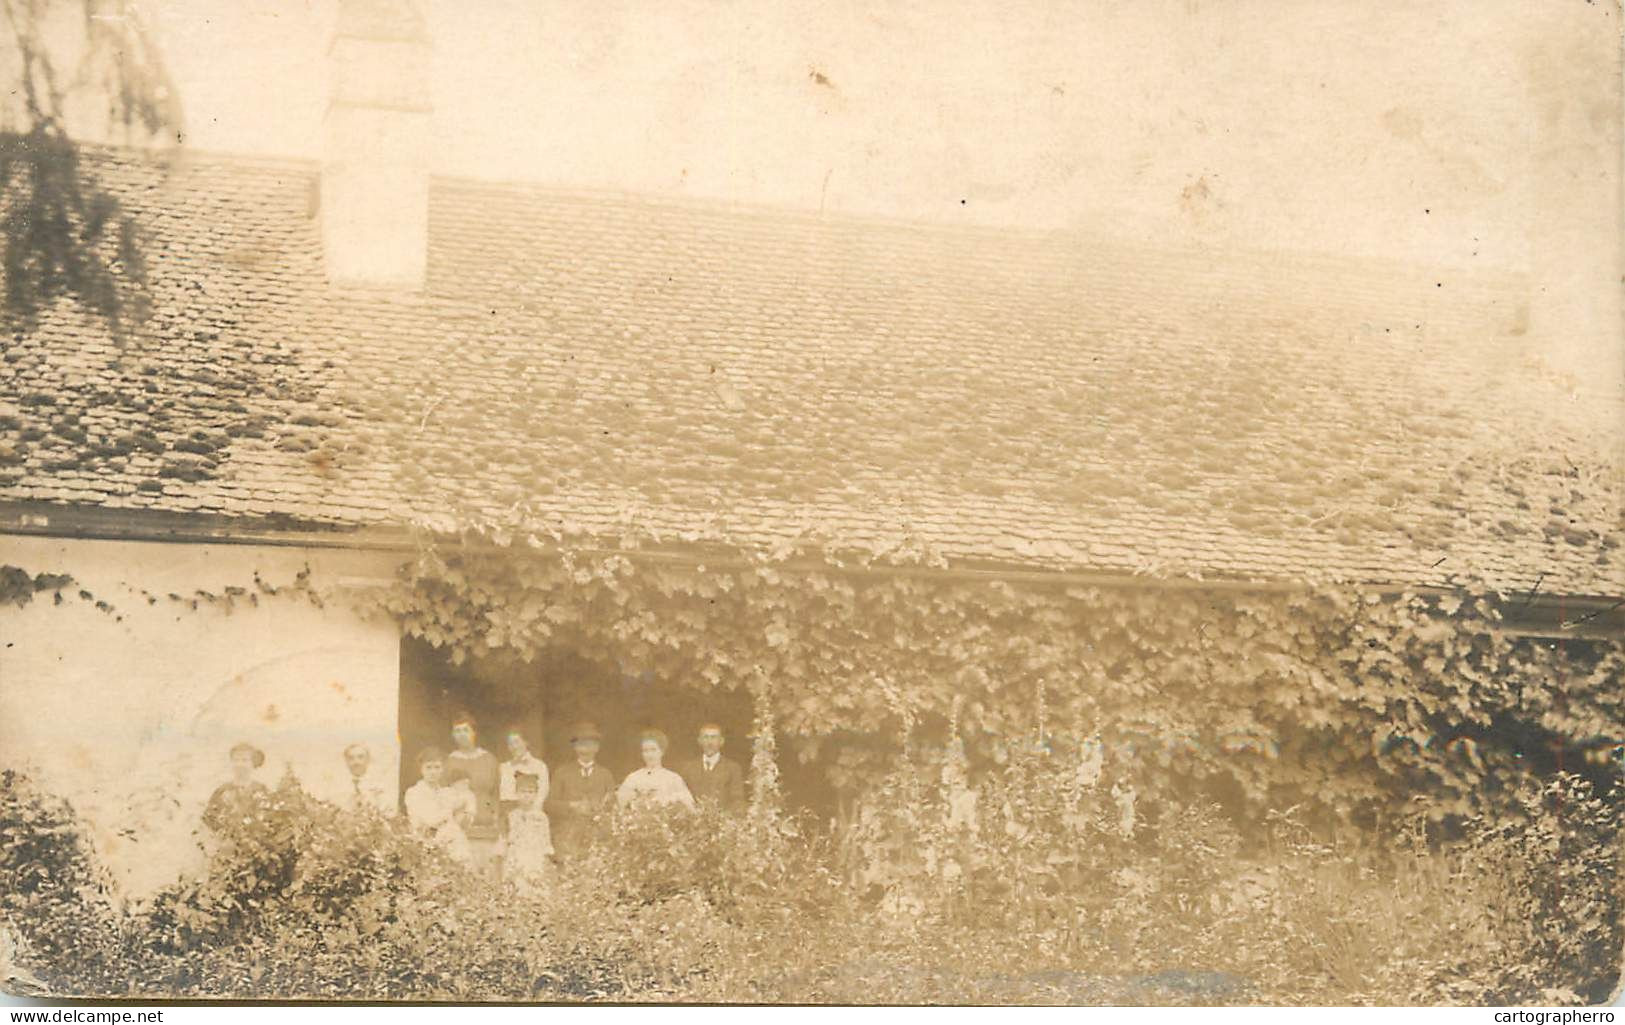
(579, 793)
(712, 777)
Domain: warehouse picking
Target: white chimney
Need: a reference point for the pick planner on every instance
(375, 167)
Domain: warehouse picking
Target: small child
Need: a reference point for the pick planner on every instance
(529, 846)
(438, 805)
(463, 787)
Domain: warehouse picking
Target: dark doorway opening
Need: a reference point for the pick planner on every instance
(546, 696)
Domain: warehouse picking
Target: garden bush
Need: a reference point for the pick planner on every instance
(56, 904)
(1045, 881)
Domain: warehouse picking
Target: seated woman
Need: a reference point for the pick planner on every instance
(528, 848)
(439, 804)
(242, 800)
(653, 784)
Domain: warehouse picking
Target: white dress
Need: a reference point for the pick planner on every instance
(528, 847)
(530, 834)
(433, 811)
(654, 786)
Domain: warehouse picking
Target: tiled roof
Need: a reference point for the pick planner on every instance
(676, 372)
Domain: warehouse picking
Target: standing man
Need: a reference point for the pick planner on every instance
(580, 791)
(713, 778)
(363, 790)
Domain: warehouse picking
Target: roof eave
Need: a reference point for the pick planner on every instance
(1554, 615)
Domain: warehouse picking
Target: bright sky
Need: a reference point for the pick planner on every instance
(1467, 133)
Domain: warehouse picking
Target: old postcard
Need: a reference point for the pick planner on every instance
(964, 502)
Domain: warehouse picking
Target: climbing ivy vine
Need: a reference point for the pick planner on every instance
(1349, 698)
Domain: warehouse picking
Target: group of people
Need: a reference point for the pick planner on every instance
(519, 814)
(514, 815)
(242, 798)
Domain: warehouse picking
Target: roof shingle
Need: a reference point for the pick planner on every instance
(677, 371)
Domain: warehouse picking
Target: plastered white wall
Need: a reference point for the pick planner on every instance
(130, 712)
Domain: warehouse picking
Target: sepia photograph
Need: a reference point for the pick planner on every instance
(791, 502)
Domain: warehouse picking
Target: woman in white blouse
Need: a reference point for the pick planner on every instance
(653, 784)
(438, 806)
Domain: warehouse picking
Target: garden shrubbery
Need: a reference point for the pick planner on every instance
(58, 918)
(1041, 882)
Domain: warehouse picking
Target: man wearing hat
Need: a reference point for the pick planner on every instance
(580, 791)
(241, 801)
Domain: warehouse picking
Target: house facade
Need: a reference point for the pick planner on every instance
(350, 360)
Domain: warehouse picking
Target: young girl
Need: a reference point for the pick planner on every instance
(438, 806)
(529, 846)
